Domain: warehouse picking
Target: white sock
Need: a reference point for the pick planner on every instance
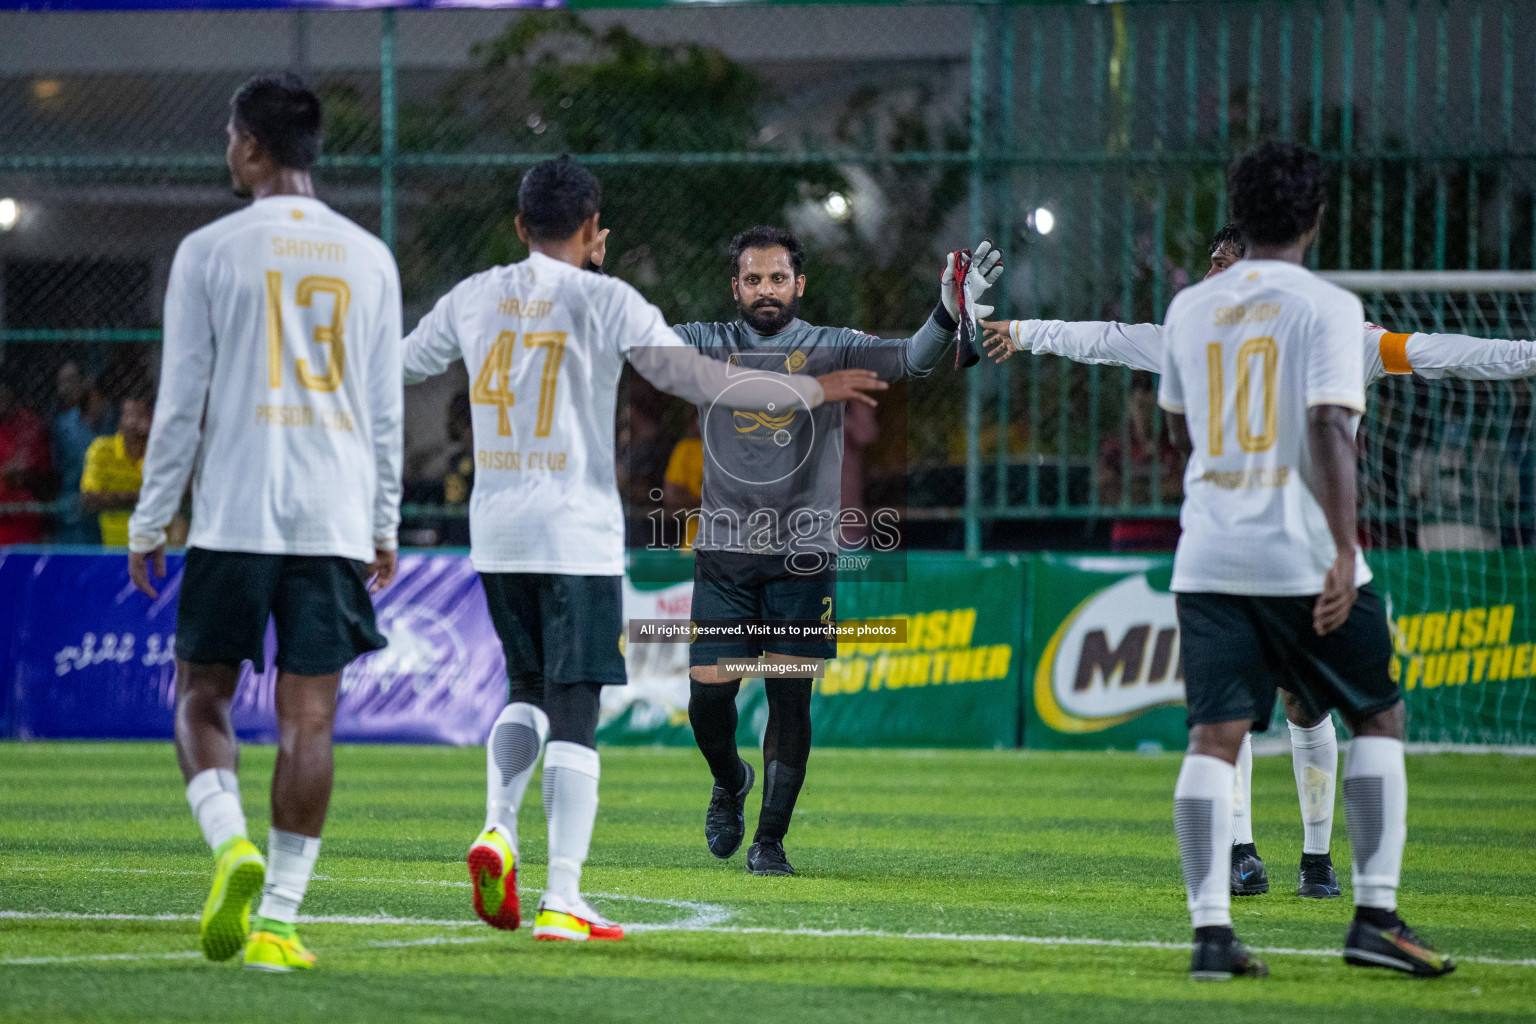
(215, 798)
(290, 862)
(517, 740)
(1242, 795)
(1315, 760)
(570, 804)
(1202, 806)
(1376, 814)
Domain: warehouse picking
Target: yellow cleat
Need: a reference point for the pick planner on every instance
(268, 951)
(573, 921)
(237, 878)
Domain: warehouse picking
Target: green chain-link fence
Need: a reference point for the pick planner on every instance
(1091, 138)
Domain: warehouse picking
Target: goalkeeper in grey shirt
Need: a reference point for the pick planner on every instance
(766, 548)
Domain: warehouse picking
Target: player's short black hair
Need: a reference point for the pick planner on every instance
(1277, 190)
(556, 198)
(765, 236)
(1229, 238)
(283, 114)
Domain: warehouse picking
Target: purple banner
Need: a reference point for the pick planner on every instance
(43, 6)
(87, 656)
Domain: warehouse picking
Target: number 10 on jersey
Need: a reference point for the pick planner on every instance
(490, 387)
(1261, 349)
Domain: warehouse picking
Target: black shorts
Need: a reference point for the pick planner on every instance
(320, 603)
(1237, 650)
(558, 629)
(729, 586)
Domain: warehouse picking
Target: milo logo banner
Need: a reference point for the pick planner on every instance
(1106, 671)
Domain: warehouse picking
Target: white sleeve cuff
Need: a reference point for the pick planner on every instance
(390, 543)
(144, 543)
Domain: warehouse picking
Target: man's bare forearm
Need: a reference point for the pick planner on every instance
(1331, 438)
(108, 501)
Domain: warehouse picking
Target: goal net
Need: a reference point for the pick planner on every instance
(1448, 508)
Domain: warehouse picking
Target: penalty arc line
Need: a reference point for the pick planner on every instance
(687, 926)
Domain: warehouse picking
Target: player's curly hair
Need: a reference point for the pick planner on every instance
(765, 236)
(1277, 191)
(1229, 238)
(556, 197)
(283, 114)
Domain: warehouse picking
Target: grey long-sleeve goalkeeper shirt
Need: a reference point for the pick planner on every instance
(773, 479)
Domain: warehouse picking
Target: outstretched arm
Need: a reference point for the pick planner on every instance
(1139, 346)
(1437, 356)
(427, 351)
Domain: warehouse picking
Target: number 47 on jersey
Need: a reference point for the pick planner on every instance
(491, 388)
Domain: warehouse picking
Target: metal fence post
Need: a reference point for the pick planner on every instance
(979, 37)
(388, 122)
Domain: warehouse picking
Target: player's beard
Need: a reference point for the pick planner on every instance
(768, 317)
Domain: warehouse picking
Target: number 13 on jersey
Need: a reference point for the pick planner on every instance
(491, 388)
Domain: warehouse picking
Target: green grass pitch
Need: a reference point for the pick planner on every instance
(949, 886)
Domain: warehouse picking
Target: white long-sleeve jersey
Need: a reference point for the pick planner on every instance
(545, 343)
(1140, 346)
(280, 391)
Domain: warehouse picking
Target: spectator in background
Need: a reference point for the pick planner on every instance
(114, 471)
(24, 468)
(644, 445)
(458, 472)
(1126, 470)
(683, 483)
(1465, 489)
(83, 417)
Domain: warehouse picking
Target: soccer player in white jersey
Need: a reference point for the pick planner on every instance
(1264, 384)
(1314, 743)
(545, 341)
(280, 397)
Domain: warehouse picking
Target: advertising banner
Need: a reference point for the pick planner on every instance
(1107, 669)
(1466, 642)
(92, 657)
(87, 656)
(1106, 642)
(956, 680)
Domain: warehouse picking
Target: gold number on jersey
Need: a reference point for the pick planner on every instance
(553, 343)
(331, 335)
(490, 387)
(1262, 348)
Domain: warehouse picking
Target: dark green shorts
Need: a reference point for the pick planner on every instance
(1238, 650)
(557, 629)
(320, 603)
(730, 586)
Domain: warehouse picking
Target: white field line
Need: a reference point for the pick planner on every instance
(693, 926)
(703, 913)
(31, 961)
